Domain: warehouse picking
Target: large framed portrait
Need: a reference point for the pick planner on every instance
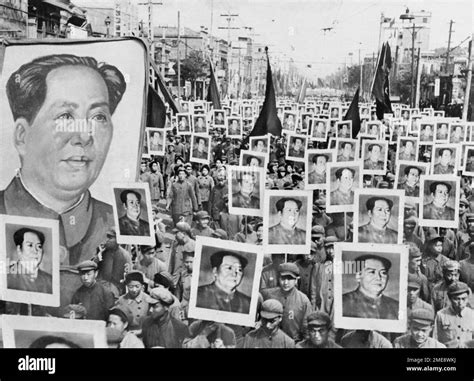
(200, 149)
(445, 159)
(200, 125)
(132, 214)
(427, 132)
(316, 164)
(407, 148)
(156, 141)
(184, 123)
(253, 159)
(335, 112)
(442, 131)
(407, 178)
(374, 128)
(468, 162)
(246, 187)
(343, 179)
(234, 127)
(259, 144)
(344, 129)
(370, 286)
(398, 129)
(30, 332)
(347, 149)
(287, 221)
(219, 118)
(306, 121)
(289, 121)
(375, 156)
(319, 130)
(296, 147)
(225, 281)
(378, 216)
(457, 132)
(30, 258)
(441, 194)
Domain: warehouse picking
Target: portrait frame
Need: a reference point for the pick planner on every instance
(383, 154)
(438, 125)
(194, 143)
(187, 117)
(15, 328)
(342, 123)
(194, 119)
(286, 114)
(310, 153)
(404, 140)
(333, 107)
(245, 154)
(229, 120)
(331, 183)
(232, 184)
(50, 228)
(205, 247)
(265, 139)
(345, 267)
(452, 130)
(310, 123)
(339, 147)
(421, 137)
(468, 149)
(271, 197)
(400, 170)
(369, 126)
(149, 131)
(304, 144)
(216, 112)
(455, 159)
(145, 204)
(313, 130)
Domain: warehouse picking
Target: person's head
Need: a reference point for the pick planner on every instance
(142, 167)
(374, 151)
(246, 181)
(161, 300)
(50, 341)
(253, 161)
(201, 144)
(63, 137)
(436, 243)
(131, 203)
(373, 277)
(409, 225)
(118, 319)
(344, 129)
(413, 288)
(458, 294)
(228, 269)
(346, 149)
(451, 272)
(259, 231)
(440, 192)
(443, 129)
(298, 144)
(321, 127)
(345, 178)
(427, 129)
(205, 170)
(288, 275)
(88, 273)
(288, 209)
(271, 314)
(111, 239)
(154, 166)
(319, 161)
(458, 131)
(329, 246)
(181, 172)
(408, 146)
(188, 261)
(412, 175)
(135, 282)
(379, 211)
(29, 245)
(444, 155)
(221, 174)
(148, 254)
(421, 325)
(202, 219)
(319, 326)
(156, 137)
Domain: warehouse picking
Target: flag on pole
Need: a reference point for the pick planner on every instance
(213, 90)
(156, 109)
(302, 93)
(168, 98)
(267, 121)
(380, 84)
(353, 114)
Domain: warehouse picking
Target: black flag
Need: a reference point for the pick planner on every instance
(381, 85)
(213, 90)
(353, 114)
(156, 110)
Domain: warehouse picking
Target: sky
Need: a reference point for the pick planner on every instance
(293, 27)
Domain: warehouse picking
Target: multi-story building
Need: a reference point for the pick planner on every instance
(13, 18)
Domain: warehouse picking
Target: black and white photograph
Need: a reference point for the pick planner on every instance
(286, 221)
(234, 127)
(407, 148)
(378, 216)
(445, 159)
(457, 133)
(441, 195)
(306, 121)
(319, 130)
(374, 128)
(442, 131)
(253, 159)
(289, 121)
(132, 213)
(224, 287)
(219, 118)
(398, 129)
(344, 129)
(246, 187)
(343, 179)
(347, 149)
(259, 144)
(200, 125)
(468, 162)
(374, 157)
(370, 287)
(316, 162)
(30, 256)
(156, 141)
(427, 132)
(408, 178)
(335, 112)
(184, 124)
(296, 148)
(200, 149)
(31, 332)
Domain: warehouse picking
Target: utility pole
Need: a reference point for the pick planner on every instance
(467, 92)
(178, 59)
(413, 35)
(229, 18)
(360, 74)
(449, 45)
(418, 77)
(150, 32)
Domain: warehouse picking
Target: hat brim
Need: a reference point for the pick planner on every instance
(269, 315)
(289, 273)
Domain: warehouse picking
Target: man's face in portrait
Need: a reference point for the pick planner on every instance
(347, 150)
(321, 127)
(408, 147)
(320, 165)
(380, 214)
(200, 122)
(298, 145)
(132, 207)
(201, 145)
(441, 195)
(445, 157)
(375, 153)
(62, 162)
(413, 177)
(290, 214)
(247, 184)
(346, 181)
(229, 274)
(31, 250)
(443, 129)
(373, 278)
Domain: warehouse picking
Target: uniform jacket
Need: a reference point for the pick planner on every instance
(128, 226)
(241, 201)
(341, 198)
(258, 338)
(212, 297)
(278, 235)
(431, 212)
(368, 233)
(182, 198)
(356, 304)
(96, 299)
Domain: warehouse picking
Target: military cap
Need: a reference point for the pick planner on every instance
(414, 281)
(412, 220)
(179, 169)
(74, 311)
(182, 227)
(463, 200)
(318, 319)
(219, 233)
(216, 258)
(87, 266)
(317, 230)
(122, 312)
(414, 251)
(458, 288)
(145, 248)
(162, 295)
(164, 278)
(422, 316)
(451, 266)
(436, 237)
(134, 276)
(370, 203)
(271, 308)
(111, 233)
(387, 264)
(434, 184)
(331, 240)
(289, 268)
(202, 215)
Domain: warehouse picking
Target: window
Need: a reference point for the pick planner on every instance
(425, 20)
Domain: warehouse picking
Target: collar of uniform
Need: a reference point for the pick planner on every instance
(75, 221)
(378, 230)
(222, 294)
(138, 299)
(460, 314)
(369, 298)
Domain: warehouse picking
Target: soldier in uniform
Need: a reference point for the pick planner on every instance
(269, 278)
(222, 294)
(413, 296)
(202, 225)
(319, 326)
(421, 325)
(368, 301)
(439, 295)
(444, 166)
(344, 194)
(373, 162)
(286, 231)
(437, 209)
(454, 325)
(414, 268)
(411, 184)
(131, 223)
(245, 196)
(317, 173)
(346, 152)
(408, 151)
(376, 230)
(433, 260)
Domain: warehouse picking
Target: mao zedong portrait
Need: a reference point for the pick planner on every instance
(28, 276)
(286, 231)
(344, 194)
(379, 210)
(131, 223)
(222, 294)
(247, 195)
(438, 208)
(58, 165)
(367, 300)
